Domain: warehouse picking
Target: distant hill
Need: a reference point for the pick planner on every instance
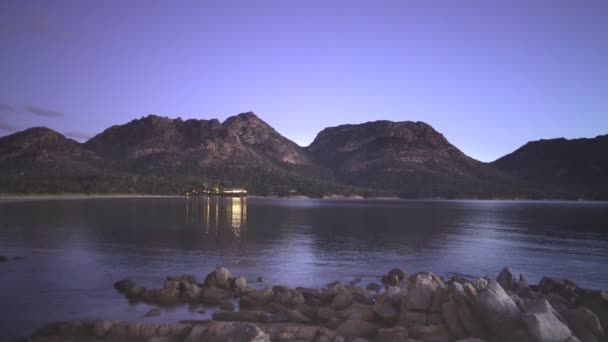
(160, 155)
(578, 166)
(410, 159)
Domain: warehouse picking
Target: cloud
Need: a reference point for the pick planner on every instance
(6, 127)
(6, 108)
(49, 113)
(79, 135)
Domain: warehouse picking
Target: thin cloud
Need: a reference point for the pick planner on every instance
(6, 127)
(79, 135)
(6, 108)
(49, 113)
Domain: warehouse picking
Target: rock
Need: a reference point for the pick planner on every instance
(425, 292)
(394, 294)
(522, 289)
(214, 295)
(543, 324)
(357, 311)
(395, 276)
(360, 295)
(342, 300)
(196, 334)
(395, 334)
(240, 316)
(3, 258)
(167, 296)
(226, 306)
(480, 284)
(385, 312)
(374, 287)
(410, 318)
(470, 340)
(123, 285)
(506, 279)
(500, 313)
(102, 328)
(562, 287)
(256, 298)
(260, 279)
(297, 317)
(153, 313)
(584, 324)
(287, 297)
(471, 324)
(312, 296)
(190, 291)
(458, 294)
(358, 328)
(220, 278)
(449, 311)
(325, 314)
(240, 284)
(332, 290)
(294, 332)
(240, 332)
(429, 333)
(597, 302)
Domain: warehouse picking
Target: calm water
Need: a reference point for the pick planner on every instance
(75, 249)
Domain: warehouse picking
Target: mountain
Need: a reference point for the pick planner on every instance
(578, 166)
(411, 159)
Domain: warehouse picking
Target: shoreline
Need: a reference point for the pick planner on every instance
(398, 307)
(77, 196)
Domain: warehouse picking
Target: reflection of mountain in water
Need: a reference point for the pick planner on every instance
(218, 216)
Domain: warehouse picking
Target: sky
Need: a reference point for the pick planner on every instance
(489, 75)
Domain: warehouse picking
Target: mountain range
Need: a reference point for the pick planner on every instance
(408, 159)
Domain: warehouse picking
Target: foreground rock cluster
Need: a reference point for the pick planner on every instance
(418, 307)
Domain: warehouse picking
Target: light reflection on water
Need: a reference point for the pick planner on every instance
(76, 249)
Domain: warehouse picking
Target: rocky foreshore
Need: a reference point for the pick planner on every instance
(401, 307)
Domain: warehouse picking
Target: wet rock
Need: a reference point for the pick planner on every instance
(312, 297)
(287, 297)
(480, 284)
(153, 313)
(360, 295)
(597, 302)
(543, 324)
(374, 287)
(196, 333)
(295, 332)
(219, 277)
(456, 291)
(256, 298)
(506, 279)
(357, 328)
(500, 313)
(260, 279)
(123, 285)
(394, 294)
(522, 289)
(563, 287)
(189, 291)
(584, 324)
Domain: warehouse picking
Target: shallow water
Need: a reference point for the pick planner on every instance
(76, 249)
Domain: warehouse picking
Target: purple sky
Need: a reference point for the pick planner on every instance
(489, 75)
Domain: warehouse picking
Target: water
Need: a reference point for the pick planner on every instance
(76, 249)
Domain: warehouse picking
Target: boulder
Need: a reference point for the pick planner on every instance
(238, 332)
(394, 294)
(360, 295)
(189, 291)
(429, 333)
(425, 292)
(584, 324)
(597, 302)
(220, 277)
(500, 313)
(342, 300)
(411, 318)
(357, 311)
(240, 316)
(449, 312)
(297, 317)
(375, 287)
(260, 297)
(385, 312)
(287, 297)
(395, 276)
(325, 314)
(480, 283)
(240, 284)
(102, 328)
(563, 287)
(394, 334)
(153, 313)
(522, 289)
(506, 279)
(196, 333)
(458, 294)
(543, 324)
(357, 328)
(214, 295)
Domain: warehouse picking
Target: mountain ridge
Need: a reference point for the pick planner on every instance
(165, 155)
